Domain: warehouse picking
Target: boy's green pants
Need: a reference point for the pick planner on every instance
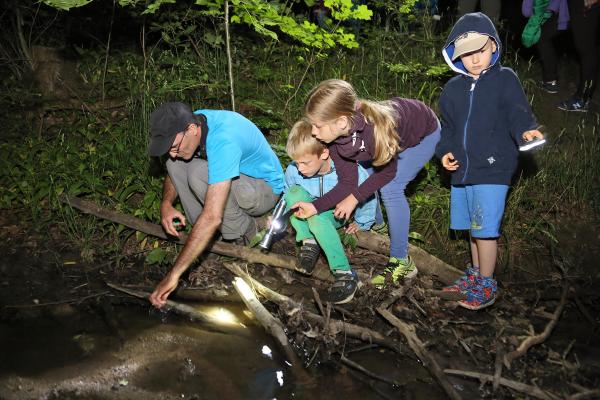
(322, 227)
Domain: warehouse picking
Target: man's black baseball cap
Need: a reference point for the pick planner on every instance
(165, 123)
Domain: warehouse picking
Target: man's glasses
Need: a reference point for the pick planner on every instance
(174, 150)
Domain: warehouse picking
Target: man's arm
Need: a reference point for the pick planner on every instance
(204, 228)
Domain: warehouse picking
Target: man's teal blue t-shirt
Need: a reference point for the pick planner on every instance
(236, 146)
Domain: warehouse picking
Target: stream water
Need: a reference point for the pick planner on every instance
(66, 353)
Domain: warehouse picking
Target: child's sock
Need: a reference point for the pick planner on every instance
(310, 240)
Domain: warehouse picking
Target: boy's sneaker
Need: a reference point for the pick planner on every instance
(344, 287)
(481, 294)
(308, 256)
(573, 104)
(404, 268)
(462, 284)
(549, 86)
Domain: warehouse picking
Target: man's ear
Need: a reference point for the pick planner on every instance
(324, 154)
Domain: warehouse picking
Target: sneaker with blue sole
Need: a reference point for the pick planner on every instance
(480, 295)
(573, 104)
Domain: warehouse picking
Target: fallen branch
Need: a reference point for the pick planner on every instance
(408, 331)
(188, 311)
(426, 262)
(273, 326)
(586, 394)
(537, 339)
(532, 391)
(221, 248)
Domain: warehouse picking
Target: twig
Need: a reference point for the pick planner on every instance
(537, 339)
(318, 301)
(408, 331)
(518, 386)
(396, 295)
(54, 303)
(346, 361)
(498, 365)
(417, 305)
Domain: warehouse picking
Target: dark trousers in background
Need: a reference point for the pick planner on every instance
(584, 25)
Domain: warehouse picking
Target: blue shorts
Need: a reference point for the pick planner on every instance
(478, 208)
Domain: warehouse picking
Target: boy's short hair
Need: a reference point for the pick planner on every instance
(301, 142)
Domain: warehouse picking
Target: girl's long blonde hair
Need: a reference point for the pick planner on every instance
(336, 98)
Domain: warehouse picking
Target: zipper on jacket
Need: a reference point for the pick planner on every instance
(321, 185)
(471, 91)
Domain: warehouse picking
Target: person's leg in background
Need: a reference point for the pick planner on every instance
(492, 9)
(584, 25)
(465, 7)
(547, 52)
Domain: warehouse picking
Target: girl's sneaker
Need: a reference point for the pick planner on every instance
(404, 268)
(462, 284)
(481, 294)
(573, 104)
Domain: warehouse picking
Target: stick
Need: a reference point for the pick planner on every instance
(498, 365)
(272, 325)
(408, 331)
(518, 386)
(365, 371)
(537, 339)
(188, 311)
(221, 248)
(426, 262)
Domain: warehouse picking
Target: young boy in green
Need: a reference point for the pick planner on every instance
(312, 174)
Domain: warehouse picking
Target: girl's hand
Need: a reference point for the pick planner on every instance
(304, 209)
(533, 134)
(345, 207)
(352, 228)
(449, 162)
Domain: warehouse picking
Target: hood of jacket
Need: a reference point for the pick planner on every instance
(473, 22)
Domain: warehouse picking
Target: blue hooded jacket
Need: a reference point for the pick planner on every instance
(318, 185)
(483, 119)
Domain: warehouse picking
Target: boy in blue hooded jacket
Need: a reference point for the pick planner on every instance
(311, 175)
(485, 116)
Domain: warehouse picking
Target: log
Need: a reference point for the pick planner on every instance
(221, 248)
(188, 311)
(426, 262)
(532, 391)
(408, 331)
